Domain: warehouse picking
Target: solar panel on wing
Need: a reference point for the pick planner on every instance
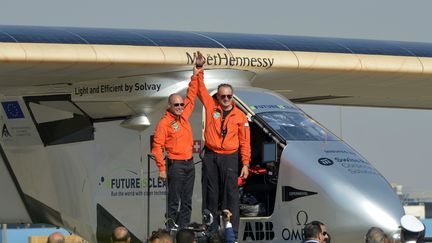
(68, 35)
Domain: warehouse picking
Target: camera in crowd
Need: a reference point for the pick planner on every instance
(202, 231)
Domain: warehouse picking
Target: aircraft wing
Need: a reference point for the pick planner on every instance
(304, 69)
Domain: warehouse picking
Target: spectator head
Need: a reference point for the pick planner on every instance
(323, 230)
(312, 231)
(411, 228)
(56, 237)
(160, 236)
(375, 235)
(120, 235)
(185, 236)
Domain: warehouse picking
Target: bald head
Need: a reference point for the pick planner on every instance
(56, 237)
(176, 104)
(120, 234)
(174, 97)
(375, 235)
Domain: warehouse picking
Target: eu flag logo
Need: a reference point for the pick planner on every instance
(12, 109)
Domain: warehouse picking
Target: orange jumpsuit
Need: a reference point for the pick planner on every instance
(174, 133)
(220, 164)
(236, 126)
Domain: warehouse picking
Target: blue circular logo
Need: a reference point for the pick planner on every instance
(325, 161)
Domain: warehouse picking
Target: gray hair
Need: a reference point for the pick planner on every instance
(225, 85)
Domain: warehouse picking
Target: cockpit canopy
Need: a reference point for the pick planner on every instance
(296, 126)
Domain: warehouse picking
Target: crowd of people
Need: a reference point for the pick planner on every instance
(412, 231)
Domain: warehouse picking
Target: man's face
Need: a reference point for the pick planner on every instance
(324, 233)
(224, 96)
(176, 105)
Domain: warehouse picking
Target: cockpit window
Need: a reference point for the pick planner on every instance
(296, 126)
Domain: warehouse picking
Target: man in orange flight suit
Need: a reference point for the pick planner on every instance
(226, 130)
(174, 134)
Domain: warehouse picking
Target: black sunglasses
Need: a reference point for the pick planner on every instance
(178, 104)
(226, 96)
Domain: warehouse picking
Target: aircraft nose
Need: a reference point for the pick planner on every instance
(349, 195)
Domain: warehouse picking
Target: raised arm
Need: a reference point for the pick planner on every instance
(203, 93)
(191, 95)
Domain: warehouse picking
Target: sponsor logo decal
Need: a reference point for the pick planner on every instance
(5, 132)
(222, 59)
(254, 107)
(302, 217)
(117, 88)
(196, 149)
(291, 193)
(263, 231)
(15, 129)
(339, 152)
(216, 115)
(176, 126)
(130, 184)
(12, 109)
(258, 231)
(297, 232)
(348, 160)
(325, 161)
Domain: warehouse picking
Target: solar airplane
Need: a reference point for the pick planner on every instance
(79, 107)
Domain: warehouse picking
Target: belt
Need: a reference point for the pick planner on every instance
(209, 151)
(180, 160)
